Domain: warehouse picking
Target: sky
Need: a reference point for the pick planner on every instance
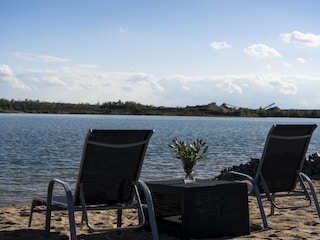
(245, 53)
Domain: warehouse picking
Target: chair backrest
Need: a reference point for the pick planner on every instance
(111, 163)
(284, 155)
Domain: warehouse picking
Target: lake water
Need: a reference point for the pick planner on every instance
(38, 147)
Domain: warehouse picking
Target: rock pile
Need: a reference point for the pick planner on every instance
(311, 167)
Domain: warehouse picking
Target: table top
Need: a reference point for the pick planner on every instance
(179, 183)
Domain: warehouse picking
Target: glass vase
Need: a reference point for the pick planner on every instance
(189, 178)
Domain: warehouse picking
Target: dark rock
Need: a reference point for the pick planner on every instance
(311, 168)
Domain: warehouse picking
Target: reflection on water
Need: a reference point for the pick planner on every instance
(38, 147)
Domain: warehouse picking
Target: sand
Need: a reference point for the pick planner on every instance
(284, 224)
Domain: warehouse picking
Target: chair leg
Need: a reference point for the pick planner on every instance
(48, 220)
(315, 199)
(85, 216)
(259, 200)
(72, 222)
(152, 218)
(316, 202)
(153, 222)
(119, 218)
(31, 212)
(313, 192)
(271, 204)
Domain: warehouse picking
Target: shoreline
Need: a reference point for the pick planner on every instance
(285, 224)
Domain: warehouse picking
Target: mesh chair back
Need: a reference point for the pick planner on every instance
(284, 155)
(111, 163)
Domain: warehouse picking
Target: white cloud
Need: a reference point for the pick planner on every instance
(245, 90)
(229, 87)
(301, 60)
(82, 84)
(283, 87)
(220, 45)
(7, 75)
(262, 51)
(305, 39)
(54, 80)
(38, 58)
(283, 84)
(286, 64)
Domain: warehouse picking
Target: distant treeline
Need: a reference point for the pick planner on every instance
(133, 108)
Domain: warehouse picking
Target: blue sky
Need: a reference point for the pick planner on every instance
(246, 53)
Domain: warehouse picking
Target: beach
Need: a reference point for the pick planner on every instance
(284, 224)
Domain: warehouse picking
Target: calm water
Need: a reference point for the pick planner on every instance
(36, 148)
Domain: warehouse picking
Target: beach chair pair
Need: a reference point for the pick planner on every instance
(108, 179)
(280, 169)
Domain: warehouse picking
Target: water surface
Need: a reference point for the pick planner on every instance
(38, 147)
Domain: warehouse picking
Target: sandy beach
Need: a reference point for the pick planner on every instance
(285, 224)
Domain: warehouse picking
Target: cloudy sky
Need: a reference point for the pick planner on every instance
(246, 53)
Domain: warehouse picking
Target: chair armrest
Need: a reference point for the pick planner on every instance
(305, 177)
(64, 184)
(243, 176)
(68, 205)
(144, 187)
(67, 190)
(248, 177)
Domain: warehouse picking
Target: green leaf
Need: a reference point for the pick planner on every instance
(189, 154)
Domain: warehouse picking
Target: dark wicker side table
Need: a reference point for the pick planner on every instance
(206, 208)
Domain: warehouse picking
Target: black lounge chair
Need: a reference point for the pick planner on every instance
(279, 169)
(108, 179)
